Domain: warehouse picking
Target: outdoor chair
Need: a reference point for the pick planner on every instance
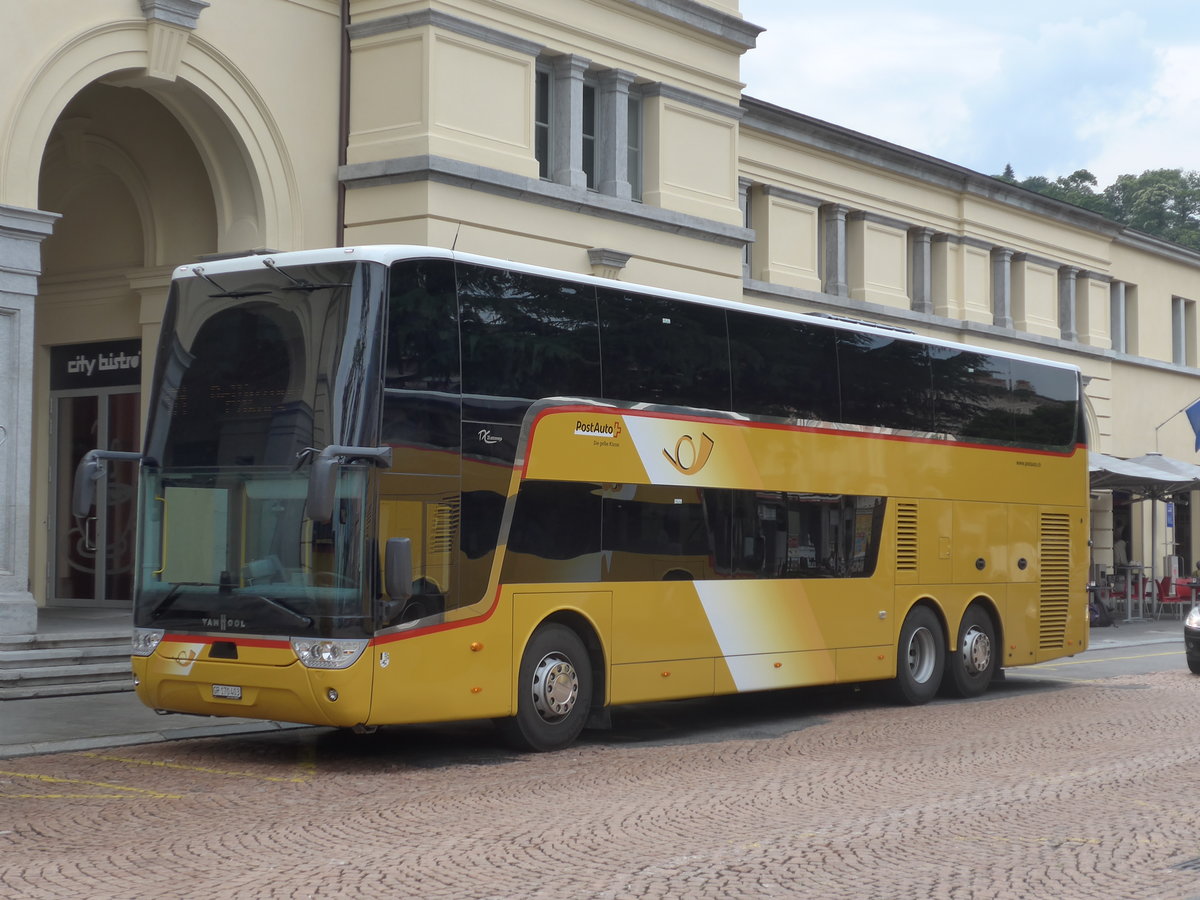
(1175, 592)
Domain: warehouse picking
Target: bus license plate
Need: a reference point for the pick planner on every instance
(227, 691)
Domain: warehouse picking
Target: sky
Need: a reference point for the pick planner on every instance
(1048, 87)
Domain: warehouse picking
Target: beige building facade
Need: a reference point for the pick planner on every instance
(608, 137)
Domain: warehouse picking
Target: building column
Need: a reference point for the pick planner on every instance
(612, 134)
(1002, 259)
(21, 234)
(566, 123)
(1067, 276)
(833, 238)
(921, 271)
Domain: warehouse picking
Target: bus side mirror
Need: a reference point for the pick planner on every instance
(90, 470)
(322, 478)
(398, 569)
(87, 473)
(322, 488)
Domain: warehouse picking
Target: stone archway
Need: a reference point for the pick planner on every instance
(154, 150)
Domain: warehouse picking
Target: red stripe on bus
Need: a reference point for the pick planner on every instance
(444, 626)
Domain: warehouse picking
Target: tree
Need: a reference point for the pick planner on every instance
(1161, 202)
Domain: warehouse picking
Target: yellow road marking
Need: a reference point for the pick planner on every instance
(1083, 662)
(52, 779)
(159, 764)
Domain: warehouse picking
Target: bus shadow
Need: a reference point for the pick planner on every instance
(707, 720)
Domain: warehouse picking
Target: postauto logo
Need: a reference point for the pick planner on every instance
(598, 428)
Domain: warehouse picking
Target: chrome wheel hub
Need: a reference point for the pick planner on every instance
(555, 687)
(976, 651)
(922, 653)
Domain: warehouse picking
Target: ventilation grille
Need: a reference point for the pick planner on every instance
(906, 537)
(1054, 546)
(444, 527)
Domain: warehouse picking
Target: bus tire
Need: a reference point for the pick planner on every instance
(970, 669)
(554, 691)
(920, 657)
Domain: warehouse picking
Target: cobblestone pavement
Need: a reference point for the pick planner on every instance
(1037, 790)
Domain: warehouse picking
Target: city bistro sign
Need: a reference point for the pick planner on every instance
(100, 364)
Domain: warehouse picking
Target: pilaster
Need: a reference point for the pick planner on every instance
(21, 234)
(1002, 258)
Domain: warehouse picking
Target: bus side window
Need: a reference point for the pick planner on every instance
(786, 370)
(658, 350)
(884, 381)
(524, 337)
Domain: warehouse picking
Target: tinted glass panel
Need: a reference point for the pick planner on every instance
(1044, 404)
(663, 351)
(655, 533)
(783, 369)
(523, 338)
(487, 461)
(423, 430)
(421, 408)
(885, 382)
(583, 532)
(971, 395)
(422, 340)
(255, 378)
(555, 534)
(778, 535)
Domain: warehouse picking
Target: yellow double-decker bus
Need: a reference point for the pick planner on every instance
(387, 485)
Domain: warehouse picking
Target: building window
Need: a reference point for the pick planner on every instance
(589, 134)
(541, 123)
(588, 129)
(1122, 305)
(634, 154)
(1183, 331)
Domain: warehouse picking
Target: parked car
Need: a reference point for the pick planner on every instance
(1191, 639)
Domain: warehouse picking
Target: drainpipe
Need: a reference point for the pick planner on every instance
(343, 117)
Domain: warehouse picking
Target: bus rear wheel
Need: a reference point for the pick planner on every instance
(920, 657)
(969, 671)
(554, 691)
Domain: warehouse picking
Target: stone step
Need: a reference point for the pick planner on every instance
(66, 639)
(64, 656)
(65, 689)
(78, 673)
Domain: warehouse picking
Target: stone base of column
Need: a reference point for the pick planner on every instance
(18, 618)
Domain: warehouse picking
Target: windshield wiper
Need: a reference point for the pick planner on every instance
(298, 285)
(172, 594)
(307, 620)
(232, 295)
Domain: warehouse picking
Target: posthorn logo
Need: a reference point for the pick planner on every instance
(690, 459)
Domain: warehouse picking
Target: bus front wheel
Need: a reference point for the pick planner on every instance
(969, 671)
(920, 657)
(554, 691)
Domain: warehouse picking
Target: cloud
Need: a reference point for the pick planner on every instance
(1156, 128)
(1047, 87)
(904, 79)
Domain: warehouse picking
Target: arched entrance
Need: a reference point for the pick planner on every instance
(147, 172)
(134, 197)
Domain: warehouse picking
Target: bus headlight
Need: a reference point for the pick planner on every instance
(328, 653)
(145, 640)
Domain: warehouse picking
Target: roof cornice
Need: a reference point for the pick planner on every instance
(820, 135)
(704, 18)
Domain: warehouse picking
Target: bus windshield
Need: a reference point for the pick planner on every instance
(256, 371)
